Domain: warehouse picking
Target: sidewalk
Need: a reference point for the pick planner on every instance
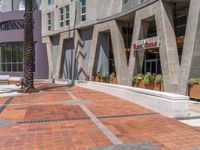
(75, 118)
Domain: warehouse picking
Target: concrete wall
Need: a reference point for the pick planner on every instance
(103, 16)
(7, 36)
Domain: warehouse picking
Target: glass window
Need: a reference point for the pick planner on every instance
(11, 55)
(50, 2)
(67, 10)
(83, 10)
(64, 16)
(22, 5)
(61, 17)
(49, 21)
(125, 2)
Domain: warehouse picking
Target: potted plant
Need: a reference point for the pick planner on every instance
(103, 77)
(94, 77)
(113, 78)
(158, 82)
(98, 77)
(137, 80)
(149, 80)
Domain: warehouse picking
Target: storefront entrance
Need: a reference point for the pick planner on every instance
(152, 62)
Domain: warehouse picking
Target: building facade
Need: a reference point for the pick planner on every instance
(12, 39)
(127, 37)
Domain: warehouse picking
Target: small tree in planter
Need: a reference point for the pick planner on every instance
(98, 77)
(149, 80)
(113, 78)
(138, 79)
(158, 81)
(103, 77)
(94, 77)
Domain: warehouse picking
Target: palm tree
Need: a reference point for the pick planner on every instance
(28, 48)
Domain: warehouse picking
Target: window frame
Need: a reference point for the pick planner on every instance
(83, 15)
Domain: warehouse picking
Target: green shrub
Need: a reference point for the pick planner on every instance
(149, 78)
(99, 74)
(158, 78)
(112, 76)
(103, 75)
(138, 78)
(193, 81)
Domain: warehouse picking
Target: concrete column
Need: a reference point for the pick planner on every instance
(59, 62)
(79, 56)
(168, 48)
(190, 67)
(119, 53)
(48, 42)
(118, 50)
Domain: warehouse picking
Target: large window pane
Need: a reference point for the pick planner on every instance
(14, 67)
(8, 53)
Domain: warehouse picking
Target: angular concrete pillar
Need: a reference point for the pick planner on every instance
(74, 34)
(59, 63)
(168, 49)
(190, 64)
(118, 50)
(49, 47)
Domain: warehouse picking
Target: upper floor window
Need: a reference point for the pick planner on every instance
(61, 17)
(49, 21)
(83, 10)
(22, 5)
(50, 2)
(125, 2)
(64, 16)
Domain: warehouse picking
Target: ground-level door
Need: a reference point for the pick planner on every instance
(152, 62)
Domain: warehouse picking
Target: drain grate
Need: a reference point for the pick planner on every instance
(6, 104)
(52, 120)
(128, 115)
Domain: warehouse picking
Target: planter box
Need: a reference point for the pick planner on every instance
(194, 91)
(113, 81)
(151, 86)
(97, 79)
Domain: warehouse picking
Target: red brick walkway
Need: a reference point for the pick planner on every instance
(48, 120)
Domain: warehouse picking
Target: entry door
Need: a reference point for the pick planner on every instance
(151, 66)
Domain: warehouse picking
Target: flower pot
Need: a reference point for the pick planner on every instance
(97, 79)
(114, 81)
(93, 78)
(102, 80)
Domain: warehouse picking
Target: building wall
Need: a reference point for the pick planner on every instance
(11, 13)
(105, 16)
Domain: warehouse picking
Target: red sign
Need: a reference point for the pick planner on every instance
(146, 44)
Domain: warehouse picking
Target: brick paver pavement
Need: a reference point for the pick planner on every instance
(53, 120)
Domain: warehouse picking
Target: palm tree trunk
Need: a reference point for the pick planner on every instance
(28, 48)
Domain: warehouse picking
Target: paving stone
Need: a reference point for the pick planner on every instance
(137, 146)
(77, 102)
(129, 122)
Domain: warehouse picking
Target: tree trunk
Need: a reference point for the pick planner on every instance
(28, 49)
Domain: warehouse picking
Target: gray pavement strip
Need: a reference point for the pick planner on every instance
(6, 103)
(77, 102)
(108, 133)
(4, 123)
(135, 146)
